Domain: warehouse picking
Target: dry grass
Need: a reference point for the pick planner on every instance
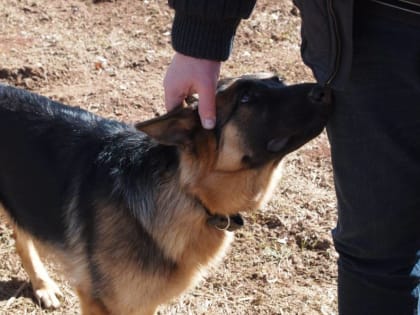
(110, 58)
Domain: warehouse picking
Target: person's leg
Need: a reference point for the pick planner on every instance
(375, 144)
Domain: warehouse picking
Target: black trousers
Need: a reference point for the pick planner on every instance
(375, 142)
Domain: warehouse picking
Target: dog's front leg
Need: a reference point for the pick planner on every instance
(45, 289)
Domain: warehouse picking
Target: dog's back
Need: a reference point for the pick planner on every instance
(46, 147)
(35, 163)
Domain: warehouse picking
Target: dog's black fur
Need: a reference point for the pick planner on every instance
(46, 143)
(55, 155)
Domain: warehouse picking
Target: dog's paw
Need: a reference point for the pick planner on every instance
(48, 294)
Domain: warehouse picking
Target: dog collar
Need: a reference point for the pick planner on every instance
(223, 222)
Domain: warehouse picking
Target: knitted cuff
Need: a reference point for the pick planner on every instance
(205, 39)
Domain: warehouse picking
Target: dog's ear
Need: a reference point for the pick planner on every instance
(174, 128)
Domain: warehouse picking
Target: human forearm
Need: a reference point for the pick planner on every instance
(205, 29)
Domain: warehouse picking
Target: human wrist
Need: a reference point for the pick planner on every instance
(204, 39)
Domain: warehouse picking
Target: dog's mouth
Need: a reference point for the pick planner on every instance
(287, 143)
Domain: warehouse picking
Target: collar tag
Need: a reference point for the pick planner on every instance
(226, 223)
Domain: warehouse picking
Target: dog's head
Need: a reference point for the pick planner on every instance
(259, 121)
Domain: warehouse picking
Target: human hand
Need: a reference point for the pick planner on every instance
(188, 75)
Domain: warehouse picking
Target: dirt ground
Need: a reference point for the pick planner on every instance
(110, 58)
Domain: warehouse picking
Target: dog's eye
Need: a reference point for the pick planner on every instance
(245, 98)
(249, 96)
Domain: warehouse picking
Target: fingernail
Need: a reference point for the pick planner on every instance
(208, 123)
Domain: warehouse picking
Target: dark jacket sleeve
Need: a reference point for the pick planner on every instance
(206, 28)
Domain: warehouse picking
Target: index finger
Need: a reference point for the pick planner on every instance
(207, 106)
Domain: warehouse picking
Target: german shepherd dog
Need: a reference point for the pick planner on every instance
(135, 213)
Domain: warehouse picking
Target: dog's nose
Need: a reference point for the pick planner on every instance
(321, 94)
